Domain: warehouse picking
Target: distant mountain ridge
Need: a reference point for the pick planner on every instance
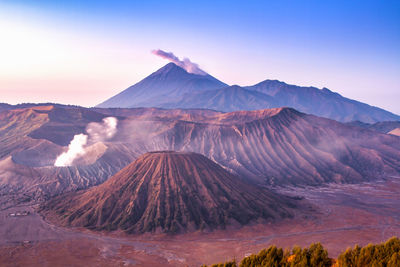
(173, 87)
(322, 102)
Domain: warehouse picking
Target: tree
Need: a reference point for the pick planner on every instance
(394, 260)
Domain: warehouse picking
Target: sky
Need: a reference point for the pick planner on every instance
(83, 52)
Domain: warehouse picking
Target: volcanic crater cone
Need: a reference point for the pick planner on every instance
(169, 192)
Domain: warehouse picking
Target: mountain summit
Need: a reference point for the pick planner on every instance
(163, 86)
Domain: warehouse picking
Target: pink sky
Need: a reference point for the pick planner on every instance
(50, 57)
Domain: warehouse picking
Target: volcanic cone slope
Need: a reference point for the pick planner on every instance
(169, 192)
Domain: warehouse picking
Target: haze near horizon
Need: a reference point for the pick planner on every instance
(54, 52)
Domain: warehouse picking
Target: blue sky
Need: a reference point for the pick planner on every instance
(55, 49)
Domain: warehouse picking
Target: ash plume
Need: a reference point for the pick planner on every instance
(96, 132)
(186, 64)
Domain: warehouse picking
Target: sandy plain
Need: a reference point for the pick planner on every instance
(345, 215)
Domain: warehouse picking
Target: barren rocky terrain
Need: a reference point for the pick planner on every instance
(271, 146)
(170, 192)
(348, 176)
(348, 215)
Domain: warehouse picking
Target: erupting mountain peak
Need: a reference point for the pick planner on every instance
(170, 67)
(165, 85)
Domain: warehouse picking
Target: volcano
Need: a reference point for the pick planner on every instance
(169, 192)
(173, 87)
(163, 86)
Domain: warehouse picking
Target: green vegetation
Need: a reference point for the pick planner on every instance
(383, 255)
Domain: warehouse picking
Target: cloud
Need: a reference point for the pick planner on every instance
(185, 63)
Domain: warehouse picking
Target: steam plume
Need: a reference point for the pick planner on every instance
(75, 149)
(185, 63)
(99, 132)
(96, 132)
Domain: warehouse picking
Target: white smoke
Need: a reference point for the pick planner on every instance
(75, 149)
(96, 132)
(186, 64)
(102, 131)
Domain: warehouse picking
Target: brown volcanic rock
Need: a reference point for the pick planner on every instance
(279, 146)
(43, 182)
(15, 125)
(29, 138)
(64, 123)
(283, 146)
(169, 192)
